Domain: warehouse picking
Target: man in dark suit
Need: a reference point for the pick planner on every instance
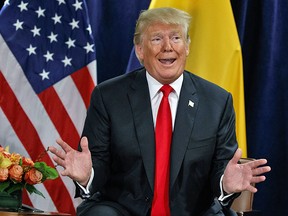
(119, 133)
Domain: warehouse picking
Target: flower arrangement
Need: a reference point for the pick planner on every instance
(18, 172)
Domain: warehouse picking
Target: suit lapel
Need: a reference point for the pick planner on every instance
(186, 111)
(141, 107)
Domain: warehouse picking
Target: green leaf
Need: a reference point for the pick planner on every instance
(10, 187)
(4, 185)
(31, 189)
(47, 171)
(15, 187)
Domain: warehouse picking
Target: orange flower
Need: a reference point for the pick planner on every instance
(6, 154)
(3, 174)
(15, 173)
(15, 158)
(27, 162)
(33, 176)
(4, 161)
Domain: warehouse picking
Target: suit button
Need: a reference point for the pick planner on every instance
(147, 199)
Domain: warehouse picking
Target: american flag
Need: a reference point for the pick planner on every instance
(47, 73)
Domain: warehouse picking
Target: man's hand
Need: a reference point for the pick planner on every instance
(77, 165)
(239, 177)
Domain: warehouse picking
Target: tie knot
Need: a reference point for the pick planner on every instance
(166, 89)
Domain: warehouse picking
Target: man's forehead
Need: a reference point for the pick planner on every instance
(160, 28)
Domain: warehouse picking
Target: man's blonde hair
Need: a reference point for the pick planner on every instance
(163, 15)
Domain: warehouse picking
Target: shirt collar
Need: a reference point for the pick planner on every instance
(154, 85)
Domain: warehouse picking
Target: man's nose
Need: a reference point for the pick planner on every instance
(167, 47)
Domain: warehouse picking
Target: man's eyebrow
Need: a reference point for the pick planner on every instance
(176, 32)
(160, 33)
(156, 34)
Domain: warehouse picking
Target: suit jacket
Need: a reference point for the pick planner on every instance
(120, 131)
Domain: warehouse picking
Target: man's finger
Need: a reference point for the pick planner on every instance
(251, 189)
(63, 145)
(84, 144)
(236, 156)
(58, 161)
(261, 170)
(57, 152)
(258, 179)
(64, 172)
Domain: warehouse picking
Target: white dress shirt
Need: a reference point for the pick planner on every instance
(156, 96)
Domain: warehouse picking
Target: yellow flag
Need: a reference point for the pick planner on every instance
(215, 51)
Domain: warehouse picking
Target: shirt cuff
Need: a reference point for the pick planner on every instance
(223, 195)
(86, 190)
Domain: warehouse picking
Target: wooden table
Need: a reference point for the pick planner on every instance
(3, 213)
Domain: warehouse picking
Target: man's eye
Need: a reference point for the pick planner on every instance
(176, 38)
(156, 40)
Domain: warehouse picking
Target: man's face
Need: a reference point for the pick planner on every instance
(163, 51)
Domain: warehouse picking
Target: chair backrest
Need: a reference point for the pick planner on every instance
(244, 202)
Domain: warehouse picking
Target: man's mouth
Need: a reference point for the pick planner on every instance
(167, 61)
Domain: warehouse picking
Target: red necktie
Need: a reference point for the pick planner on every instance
(163, 135)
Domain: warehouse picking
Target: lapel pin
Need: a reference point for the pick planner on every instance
(191, 103)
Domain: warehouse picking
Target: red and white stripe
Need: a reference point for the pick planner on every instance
(29, 123)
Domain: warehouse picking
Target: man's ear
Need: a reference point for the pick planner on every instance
(139, 51)
(187, 49)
